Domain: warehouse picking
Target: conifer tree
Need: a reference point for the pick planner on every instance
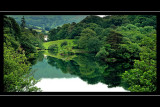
(23, 22)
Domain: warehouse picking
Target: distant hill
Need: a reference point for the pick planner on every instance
(48, 21)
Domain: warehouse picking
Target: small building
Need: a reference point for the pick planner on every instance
(45, 37)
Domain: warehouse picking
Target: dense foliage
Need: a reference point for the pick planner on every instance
(19, 50)
(124, 42)
(118, 39)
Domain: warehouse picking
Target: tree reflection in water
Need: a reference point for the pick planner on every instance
(92, 70)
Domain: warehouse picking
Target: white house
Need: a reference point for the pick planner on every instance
(45, 37)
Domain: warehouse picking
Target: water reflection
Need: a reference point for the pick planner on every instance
(44, 70)
(81, 73)
(74, 85)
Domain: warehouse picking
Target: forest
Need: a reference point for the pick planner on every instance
(129, 41)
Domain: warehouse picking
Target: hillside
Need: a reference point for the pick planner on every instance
(48, 21)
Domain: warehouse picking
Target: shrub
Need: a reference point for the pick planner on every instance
(53, 47)
(64, 43)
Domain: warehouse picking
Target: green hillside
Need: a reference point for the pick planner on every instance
(48, 21)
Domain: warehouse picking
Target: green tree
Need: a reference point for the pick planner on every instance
(86, 39)
(114, 39)
(102, 53)
(23, 22)
(88, 32)
(52, 34)
(12, 27)
(27, 43)
(142, 78)
(64, 43)
(93, 44)
(19, 46)
(116, 20)
(16, 69)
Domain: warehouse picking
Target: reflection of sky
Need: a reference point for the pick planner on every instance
(52, 79)
(73, 85)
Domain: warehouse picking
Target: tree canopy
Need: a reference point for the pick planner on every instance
(118, 38)
(127, 42)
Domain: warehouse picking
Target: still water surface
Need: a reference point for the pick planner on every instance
(80, 74)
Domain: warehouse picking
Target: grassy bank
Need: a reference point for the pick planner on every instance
(63, 49)
(65, 52)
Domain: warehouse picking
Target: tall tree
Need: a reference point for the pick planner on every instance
(23, 22)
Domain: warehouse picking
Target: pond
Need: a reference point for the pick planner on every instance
(81, 73)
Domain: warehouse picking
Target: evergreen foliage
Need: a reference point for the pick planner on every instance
(19, 45)
(119, 38)
(128, 40)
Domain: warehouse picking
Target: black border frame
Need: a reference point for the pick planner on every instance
(2, 13)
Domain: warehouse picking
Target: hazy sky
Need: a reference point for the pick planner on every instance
(101, 15)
